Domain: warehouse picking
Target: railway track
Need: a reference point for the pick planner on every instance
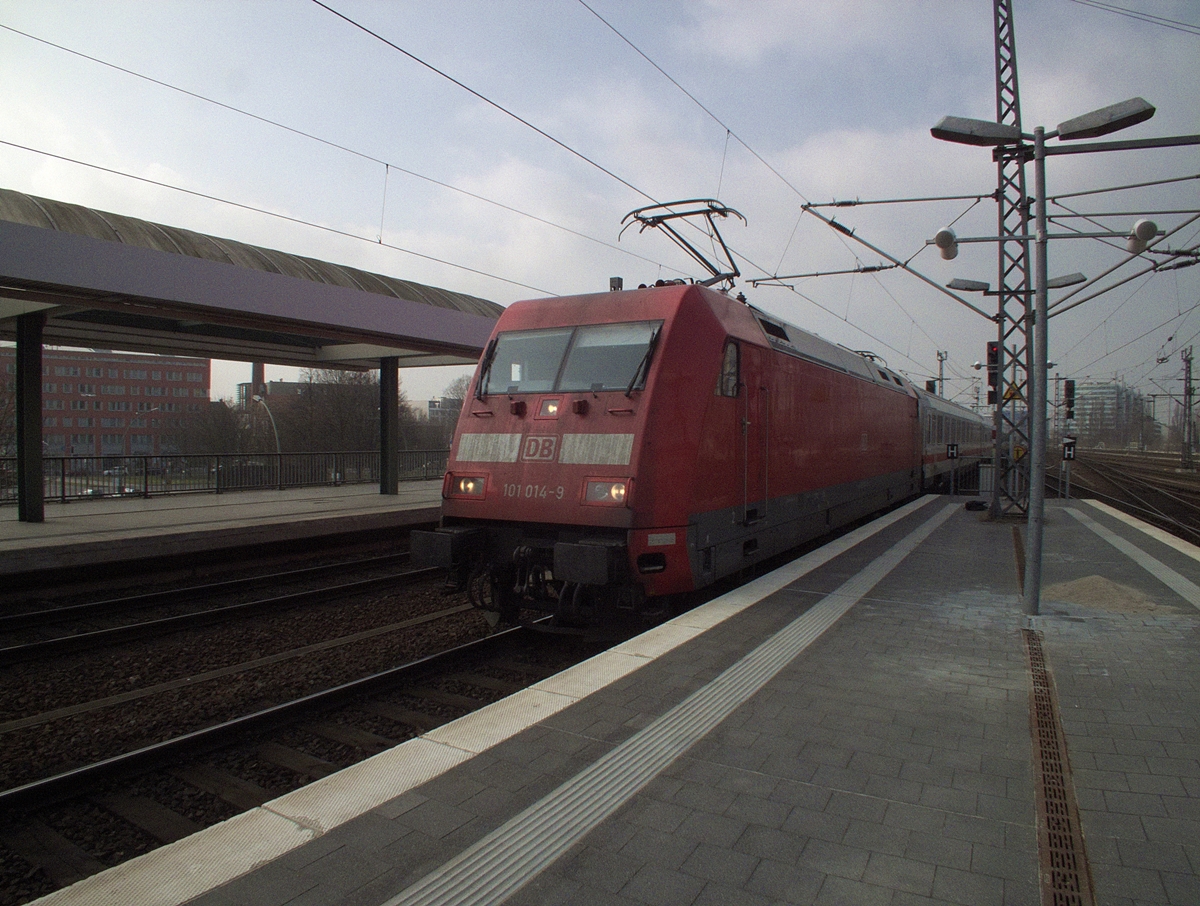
(1146, 487)
(76, 629)
(50, 588)
(61, 828)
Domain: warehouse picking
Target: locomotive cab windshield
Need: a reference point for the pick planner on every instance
(592, 357)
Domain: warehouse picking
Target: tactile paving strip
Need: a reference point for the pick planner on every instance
(1063, 865)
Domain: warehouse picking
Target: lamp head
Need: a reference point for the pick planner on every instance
(966, 131)
(1143, 231)
(1107, 119)
(968, 286)
(946, 242)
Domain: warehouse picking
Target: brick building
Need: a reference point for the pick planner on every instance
(113, 404)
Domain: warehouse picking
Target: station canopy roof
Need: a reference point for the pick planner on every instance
(106, 281)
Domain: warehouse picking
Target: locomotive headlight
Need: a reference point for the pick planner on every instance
(465, 486)
(605, 493)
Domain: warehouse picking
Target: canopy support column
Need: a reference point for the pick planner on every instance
(31, 493)
(389, 425)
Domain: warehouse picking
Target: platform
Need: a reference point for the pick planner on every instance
(90, 532)
(854, 728)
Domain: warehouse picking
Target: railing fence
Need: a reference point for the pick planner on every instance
(77, 477)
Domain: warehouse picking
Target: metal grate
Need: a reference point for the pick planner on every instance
(1066, 878)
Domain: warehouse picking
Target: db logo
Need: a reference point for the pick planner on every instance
(539, 449)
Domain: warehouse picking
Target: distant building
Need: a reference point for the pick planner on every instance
(444, 410)
(113, 404)
(246, 394)
(1110, 414)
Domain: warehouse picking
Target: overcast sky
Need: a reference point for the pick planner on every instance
(409, 174)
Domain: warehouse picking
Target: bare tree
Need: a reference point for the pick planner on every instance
(328, 410)
(457, 389)
(214, 429)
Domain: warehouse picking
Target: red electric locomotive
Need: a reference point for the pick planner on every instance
(620, 448)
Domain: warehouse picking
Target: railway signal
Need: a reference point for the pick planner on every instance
(1069, 399)
(993, 370)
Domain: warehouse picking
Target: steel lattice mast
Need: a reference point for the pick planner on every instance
(1010, 490)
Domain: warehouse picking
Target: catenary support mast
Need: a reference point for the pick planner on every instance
(1010, 489)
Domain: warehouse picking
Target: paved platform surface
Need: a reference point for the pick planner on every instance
(100, 531)
(852, 729)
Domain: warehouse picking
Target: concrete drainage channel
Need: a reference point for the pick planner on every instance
(1066, 878)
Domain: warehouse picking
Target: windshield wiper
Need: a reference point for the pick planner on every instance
(643, 367)
(485, 369)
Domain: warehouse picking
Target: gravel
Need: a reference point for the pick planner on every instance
(46, 749)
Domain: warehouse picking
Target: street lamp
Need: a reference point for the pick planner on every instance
(259, 399)
(982, 132)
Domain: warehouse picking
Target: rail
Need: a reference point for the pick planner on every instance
(81, 477)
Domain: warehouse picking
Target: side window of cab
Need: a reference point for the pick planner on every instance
(728, 383)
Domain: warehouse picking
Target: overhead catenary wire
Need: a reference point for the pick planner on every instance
(388, 165)
(495, 104)
(1134, 185)
(482, 97)
(1135, 339)
(392, 202)
(1060, 307)
(1141, 16)
(806, 206)
(696, 101)
(287, 217)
